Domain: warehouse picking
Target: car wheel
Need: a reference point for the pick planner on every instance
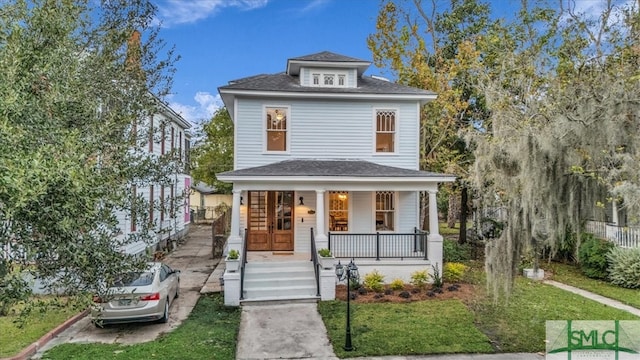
(178, 290)
(165, 316)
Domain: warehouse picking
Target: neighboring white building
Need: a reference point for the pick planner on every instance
(167, 131)
(323, 152)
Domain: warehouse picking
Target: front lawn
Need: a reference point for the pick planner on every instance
(476, 325)
(571, 275)
(210, 332)
(36, 325)
(424, 327)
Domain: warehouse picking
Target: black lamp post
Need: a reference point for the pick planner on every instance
(347, 272)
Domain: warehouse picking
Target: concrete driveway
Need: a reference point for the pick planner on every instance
(193, 259)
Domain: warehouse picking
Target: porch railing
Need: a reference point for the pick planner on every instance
(316, 263)
(379, 245)
(623, 236)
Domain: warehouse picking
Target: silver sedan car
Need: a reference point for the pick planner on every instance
(139, 297)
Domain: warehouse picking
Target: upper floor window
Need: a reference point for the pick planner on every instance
(341, 79)
(385, 131)
(338, 211)
(316, 79)
(385, 211)
(276, 128)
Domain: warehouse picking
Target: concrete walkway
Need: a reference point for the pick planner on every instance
(595, 297)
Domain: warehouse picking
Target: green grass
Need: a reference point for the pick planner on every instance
(519, 326)
(427, 327)
(571, 275)
(36, 325)
(210, 332)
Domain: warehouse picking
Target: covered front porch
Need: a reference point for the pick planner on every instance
(279, 222)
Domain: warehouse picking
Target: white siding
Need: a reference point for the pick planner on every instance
(326, 129)
(304, 220)
(180, 183)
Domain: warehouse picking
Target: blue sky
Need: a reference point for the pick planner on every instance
(223, 40)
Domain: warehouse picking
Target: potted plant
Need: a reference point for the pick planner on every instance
(326, 259)
(233, 260)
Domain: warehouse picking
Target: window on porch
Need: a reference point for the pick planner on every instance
(338, 211)
(385, 211)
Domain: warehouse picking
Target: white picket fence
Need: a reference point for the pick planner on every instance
(626, 237)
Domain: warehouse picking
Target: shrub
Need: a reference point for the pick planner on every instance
(374, 281)
(624, 267)
(437, 278)
(324, 252)
(233, 254)
(593, 256)
(454, 252)
(397, 284)
(419, 278)
(454, 272)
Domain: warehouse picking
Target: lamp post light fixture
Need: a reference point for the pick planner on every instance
(347, 272)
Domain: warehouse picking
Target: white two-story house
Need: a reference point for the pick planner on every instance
(162, 134)
(325, 157)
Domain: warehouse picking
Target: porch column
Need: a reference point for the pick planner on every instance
(321, 236)
(434, 239)
(614, 212)
(235, 240)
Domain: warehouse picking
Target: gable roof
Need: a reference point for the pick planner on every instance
(327, 56)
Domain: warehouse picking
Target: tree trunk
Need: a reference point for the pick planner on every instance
(462, 237)
(452, 214)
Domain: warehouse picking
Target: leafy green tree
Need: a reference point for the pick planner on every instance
(434, 47)
(214, 154)
(73, 94)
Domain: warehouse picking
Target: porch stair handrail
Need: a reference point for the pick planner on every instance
(623, 236)
(244, 261)
(316, 263)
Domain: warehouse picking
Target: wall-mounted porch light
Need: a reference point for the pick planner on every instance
(241, 201)
(301, 201)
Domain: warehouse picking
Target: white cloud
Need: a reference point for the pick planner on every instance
(175, 12)
(207, 106)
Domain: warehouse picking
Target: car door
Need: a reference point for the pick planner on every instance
(170, 281)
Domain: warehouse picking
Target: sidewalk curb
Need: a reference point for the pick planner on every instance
(30, 350)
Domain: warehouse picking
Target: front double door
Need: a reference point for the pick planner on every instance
(270, 219)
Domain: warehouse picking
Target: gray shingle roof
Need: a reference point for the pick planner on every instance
(331, 168)
(203, 188)
(327, 56)
(288, 83)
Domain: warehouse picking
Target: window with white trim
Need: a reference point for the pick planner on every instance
(329, 78)
(385, 211)
(276, 128)
(385, 131)
(338, 211)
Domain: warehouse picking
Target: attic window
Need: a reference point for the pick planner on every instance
(330, 78)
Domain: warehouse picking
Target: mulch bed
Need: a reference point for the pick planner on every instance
(461, 291)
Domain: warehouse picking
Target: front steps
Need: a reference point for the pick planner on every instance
(278, 281)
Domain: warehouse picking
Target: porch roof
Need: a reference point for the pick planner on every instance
(332, 169)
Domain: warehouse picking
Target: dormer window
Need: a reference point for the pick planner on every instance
(326, 78)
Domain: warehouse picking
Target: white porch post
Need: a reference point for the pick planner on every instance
(232, 279)
(614, 212)
(235, 240)
(321, 237)
(434, 239)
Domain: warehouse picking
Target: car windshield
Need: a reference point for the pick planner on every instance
(135, 279)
